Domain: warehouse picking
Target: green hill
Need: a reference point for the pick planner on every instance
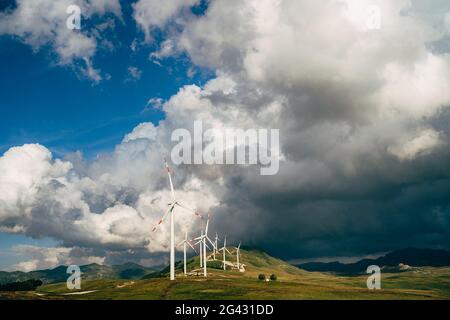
(255, 262)
(291, 283)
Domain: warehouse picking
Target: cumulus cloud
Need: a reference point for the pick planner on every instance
(423, 144)
(41, 23)
(105, 206)
(24, 169)
(45, 258)
(142, 131)
(151, 14)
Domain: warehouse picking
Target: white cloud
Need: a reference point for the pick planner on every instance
(296, 47)
(142, 131)
(134, 73)
(115, 207)
(102, 7)
(154, 103)
(424, 143)
(24, 170)
(43, 22)
(428, 79)
(45, 258)
(153, 13)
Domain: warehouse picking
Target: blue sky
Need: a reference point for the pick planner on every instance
(52, 105)
(77, 115)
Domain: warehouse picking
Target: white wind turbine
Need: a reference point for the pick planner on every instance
(210, 241)
(237, 255)
(185, 242)
(170, 212)
(172, 235)
(216, 246)
(202, 242)
(224, 248)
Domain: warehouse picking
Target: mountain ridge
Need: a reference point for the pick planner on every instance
(128, 270)
(257, 261)
(411, 256)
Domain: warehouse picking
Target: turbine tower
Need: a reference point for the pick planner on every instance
(172, 235)
(200, 243)
(224, 248)
(185, 242)
(216, 246)
(237, 255)
(170, 212)
(207, 238)
(203, 246)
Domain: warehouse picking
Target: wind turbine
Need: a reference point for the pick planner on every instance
(216, 247)
(224, 248)
(210, 241)
(237, 255)
(170, 213)
(172, 236)
(202, 242)
(184, 243)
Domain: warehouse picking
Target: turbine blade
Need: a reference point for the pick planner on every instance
(190, 245)
(160, 221)
(212, 243)
(185, 207)
(170, 179)
(194, 212)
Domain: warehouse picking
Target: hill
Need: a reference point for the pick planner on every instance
(292, 283)
(415, 257)
(255, 262)
(88, 272)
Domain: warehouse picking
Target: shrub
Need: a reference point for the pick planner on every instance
(273, 277)
(262, 277)
(28, 285)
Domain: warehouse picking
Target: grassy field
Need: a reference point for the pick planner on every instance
(292, 283)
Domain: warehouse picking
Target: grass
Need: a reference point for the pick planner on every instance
(292, 283)
(230, 285)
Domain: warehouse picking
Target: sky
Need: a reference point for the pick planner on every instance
(86, 118)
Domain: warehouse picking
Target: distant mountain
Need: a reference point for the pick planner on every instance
(410, 256)
(88, 272)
